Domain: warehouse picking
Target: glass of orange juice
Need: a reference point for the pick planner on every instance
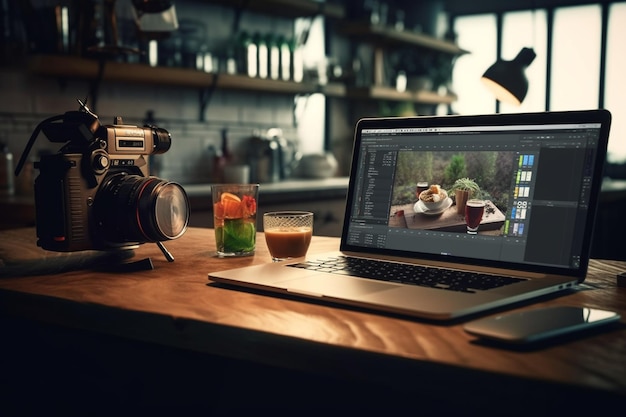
(287, 233)
(234, 216)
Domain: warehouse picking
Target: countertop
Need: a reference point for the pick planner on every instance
(292, 190)
(375, 358)
(20, 210)
(328, 186)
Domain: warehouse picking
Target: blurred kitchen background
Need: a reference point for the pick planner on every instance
(277, 85)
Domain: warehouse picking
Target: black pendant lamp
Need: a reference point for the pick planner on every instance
(507, 80)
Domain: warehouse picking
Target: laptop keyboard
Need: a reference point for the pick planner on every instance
(447, 279)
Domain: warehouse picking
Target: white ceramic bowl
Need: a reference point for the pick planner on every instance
(431, 205)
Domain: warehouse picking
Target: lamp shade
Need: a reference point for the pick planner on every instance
(156, 19)
(152, 6)
(507, 80)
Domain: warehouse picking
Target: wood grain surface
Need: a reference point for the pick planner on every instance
(175, 304)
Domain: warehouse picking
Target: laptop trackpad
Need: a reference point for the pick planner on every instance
(335, 286)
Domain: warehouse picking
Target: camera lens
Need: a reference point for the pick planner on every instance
(132, 208)
(171, 211)
(162, 140)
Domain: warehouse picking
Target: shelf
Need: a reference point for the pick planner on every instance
(75, 67)
(286, 8)
(243, 82)
(388, 93)
(380, 35)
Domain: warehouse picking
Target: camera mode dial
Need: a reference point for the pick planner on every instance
(100, 161)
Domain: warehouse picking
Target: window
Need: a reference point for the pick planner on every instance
(471, 32)
(615, 91)
(309, 110)
(575, 61)
(576, 58)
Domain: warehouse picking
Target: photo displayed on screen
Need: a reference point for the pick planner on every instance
(456, 192)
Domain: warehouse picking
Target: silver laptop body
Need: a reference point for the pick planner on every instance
(540, 175)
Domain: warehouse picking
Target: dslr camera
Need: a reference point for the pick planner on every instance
(96, 192)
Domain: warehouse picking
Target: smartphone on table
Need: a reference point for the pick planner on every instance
(539, 324)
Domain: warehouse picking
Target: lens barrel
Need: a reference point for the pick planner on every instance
(132, 208)
(162, 140)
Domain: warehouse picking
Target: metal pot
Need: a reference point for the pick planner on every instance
(271, 156)
(318, 165)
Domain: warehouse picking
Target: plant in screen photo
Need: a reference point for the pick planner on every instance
(462, 190)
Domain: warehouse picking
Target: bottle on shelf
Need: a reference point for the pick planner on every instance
(263, 55)
(297, 62)
(217, 167)
(247, 55)
(273, 47)
(285, 58)
(7, 186)
(222, 157)
(226, 153)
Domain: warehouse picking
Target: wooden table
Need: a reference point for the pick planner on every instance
(76, 334)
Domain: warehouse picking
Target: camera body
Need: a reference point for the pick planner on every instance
(96, 192)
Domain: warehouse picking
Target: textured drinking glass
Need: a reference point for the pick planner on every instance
(474, 210)
(287, 233)
(234, 215)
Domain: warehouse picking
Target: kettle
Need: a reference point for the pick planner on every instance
(271, 156)
(318, 165)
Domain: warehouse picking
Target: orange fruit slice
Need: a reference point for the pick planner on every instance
(229, 197)
(218, 209)
(232, 209)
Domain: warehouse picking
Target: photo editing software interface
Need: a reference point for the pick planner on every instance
(534, 180)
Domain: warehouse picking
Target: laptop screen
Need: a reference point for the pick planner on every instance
(533, 182)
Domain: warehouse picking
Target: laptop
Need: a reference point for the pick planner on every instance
(539, 177)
